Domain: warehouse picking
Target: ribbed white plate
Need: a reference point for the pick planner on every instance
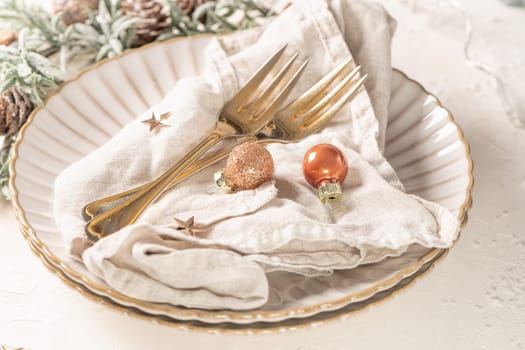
(424, 145)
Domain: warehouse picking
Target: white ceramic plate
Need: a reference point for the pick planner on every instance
(424, 145)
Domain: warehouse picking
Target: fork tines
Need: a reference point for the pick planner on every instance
(315, 108)
(251, 97)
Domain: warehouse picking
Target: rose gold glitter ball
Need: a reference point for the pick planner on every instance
(248, 166)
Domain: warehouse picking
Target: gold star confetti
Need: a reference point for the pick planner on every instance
(154, 123)
(188, 227)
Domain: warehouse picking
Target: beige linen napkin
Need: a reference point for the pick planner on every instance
(281, 225)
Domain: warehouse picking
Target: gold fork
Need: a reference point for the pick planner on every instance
(244, 115)
(301, 118)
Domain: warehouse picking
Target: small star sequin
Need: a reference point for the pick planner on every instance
(154, 123)
(188, 226)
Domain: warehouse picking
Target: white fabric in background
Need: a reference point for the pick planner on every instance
(281, 225)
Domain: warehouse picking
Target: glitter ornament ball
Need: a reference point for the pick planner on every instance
(325, 168)
(248, 166)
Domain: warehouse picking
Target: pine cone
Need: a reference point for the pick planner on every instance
(7, 38)
(74, 11)
(15, 107)
(152, 20)
(187, 6)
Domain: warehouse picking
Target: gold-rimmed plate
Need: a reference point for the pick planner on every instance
(424, 145)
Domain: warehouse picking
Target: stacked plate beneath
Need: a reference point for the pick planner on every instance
(424, 145)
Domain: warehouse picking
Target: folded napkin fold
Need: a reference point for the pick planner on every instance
(280, 226)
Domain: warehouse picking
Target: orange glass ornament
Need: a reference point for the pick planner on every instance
(325, 168)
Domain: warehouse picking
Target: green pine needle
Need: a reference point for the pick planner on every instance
(106, 33)
(27, 69)
(215, 16)
(5, 155)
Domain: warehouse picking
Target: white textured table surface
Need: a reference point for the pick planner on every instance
(474, 298)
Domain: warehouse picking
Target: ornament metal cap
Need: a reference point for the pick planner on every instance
(330, 192)
(221, 183)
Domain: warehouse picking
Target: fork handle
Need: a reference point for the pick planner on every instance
(132, 208)
(102, 205)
